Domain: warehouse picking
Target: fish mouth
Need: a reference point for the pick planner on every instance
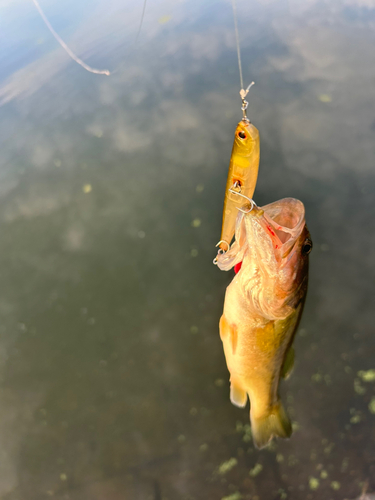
(282, 222)
(265, 236)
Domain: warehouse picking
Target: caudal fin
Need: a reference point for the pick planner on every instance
(275, 423)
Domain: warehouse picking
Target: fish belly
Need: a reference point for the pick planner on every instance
(255, 349)
(252, 362)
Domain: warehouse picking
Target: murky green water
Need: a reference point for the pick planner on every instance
(113, 380)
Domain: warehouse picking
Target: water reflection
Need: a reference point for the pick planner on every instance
(114, 383)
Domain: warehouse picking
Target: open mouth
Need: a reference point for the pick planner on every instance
(284, 221)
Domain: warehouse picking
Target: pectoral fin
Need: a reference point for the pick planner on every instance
(288, 364)
(238, 396)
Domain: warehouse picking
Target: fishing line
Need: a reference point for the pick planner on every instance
(66, 48)
(243, 92)
(140, 25)
(237, 41)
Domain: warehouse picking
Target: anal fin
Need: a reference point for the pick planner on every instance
(238, 396)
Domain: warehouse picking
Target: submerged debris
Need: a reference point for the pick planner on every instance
(371, 405)
(317, 377)
(356, 419)
(335, 485)
(257, 469)
(367, 376)
(227, 466)
(325, 98)
(314, 483)
(164, 19)
(283, 494)
(359, 389)
(234, 496)
(248, 434)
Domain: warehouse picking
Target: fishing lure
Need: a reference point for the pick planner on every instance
(242, 174)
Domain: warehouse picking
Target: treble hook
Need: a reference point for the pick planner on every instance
(243, 94)
(252, 202)
(221, 251)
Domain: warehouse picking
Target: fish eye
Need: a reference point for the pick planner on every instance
(242, 135)
(307, 246)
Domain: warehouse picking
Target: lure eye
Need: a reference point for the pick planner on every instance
(241, 135)
(307, 246)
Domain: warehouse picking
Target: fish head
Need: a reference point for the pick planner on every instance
(246, 138)
(275, 263)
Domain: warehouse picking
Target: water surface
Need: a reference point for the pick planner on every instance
(113, 380)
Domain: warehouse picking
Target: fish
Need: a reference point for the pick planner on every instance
(242, 177)
(262, 309)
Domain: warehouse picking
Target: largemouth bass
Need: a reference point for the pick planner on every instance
(242, 177)
(262, 309)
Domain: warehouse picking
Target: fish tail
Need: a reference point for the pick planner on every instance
(275, 423)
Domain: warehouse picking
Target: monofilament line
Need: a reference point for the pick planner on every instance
(140, 24)
(237, 41)
(66, 48)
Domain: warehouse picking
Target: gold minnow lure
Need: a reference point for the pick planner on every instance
(262, 309)
(242, 174)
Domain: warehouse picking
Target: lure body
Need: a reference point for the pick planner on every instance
(242, 177)
(262, 308)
